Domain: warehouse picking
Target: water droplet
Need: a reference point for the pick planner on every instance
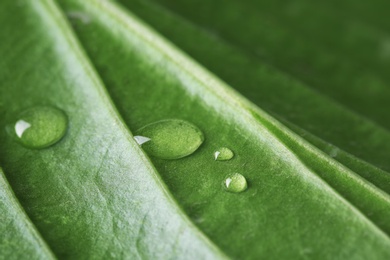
(40, 127)
(235, 183)
(141, 139)
(223, 154)
(171, 139)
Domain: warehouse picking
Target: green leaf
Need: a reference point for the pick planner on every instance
(96, 194)
(272, 53)
(178, 89)
(339, 105)
(19, 238)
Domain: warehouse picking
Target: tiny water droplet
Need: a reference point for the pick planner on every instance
(223, 154)
(235, 183)
(171, 139)
(141, 139)
(39, 127)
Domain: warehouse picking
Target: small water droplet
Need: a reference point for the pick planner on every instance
(141, 139)
(171, 139)
(39, 127)
(223, 154)
(235, 183)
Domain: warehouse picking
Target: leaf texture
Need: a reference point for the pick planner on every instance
(19, 238)
(313, 84)
(96, 194)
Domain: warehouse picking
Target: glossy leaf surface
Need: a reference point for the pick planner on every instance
(94, 194)
(97, 194)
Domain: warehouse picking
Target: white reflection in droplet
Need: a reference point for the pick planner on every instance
(216, 154)
(141, 139)
(20, 127)
(227, 182)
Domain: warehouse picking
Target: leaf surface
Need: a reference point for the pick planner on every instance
(94, 194)
(276, 162)
(19, 238)
(273, 53)
(97, 194)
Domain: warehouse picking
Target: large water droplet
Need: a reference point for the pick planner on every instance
(223, 154)
(171, 139)
(235, 183)
(40, 127)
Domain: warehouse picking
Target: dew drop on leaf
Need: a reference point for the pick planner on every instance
(171, 139)
(223, 154)
(39, 127)
(235, 183)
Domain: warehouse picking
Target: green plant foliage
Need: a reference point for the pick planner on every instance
(19, 238)
(338, 101)
(96, 194)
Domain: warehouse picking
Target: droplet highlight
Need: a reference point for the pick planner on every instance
(223, 154)
(40, 127)
(20, 127)
(141, 139)
(171, 139)
(235, 183)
